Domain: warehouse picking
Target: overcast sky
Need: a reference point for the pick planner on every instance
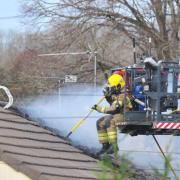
(8, 9)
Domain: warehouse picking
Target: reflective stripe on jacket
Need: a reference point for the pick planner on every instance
(116, 106)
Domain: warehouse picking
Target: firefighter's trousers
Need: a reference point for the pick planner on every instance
(107, 128)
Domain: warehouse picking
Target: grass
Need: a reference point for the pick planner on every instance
(111, 171)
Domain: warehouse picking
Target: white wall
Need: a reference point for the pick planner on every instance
(8, 173)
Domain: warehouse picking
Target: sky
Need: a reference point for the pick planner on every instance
(10, 8)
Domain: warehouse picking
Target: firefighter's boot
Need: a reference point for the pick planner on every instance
(113, 149)
(105, 147)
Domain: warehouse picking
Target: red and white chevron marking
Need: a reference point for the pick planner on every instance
(166, 125)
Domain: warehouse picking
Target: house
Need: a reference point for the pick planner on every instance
(28, 151)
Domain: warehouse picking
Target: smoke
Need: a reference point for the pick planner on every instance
(65, 108)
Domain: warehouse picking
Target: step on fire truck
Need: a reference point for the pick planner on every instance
(154, 88)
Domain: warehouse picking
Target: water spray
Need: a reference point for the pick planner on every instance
(83, 119)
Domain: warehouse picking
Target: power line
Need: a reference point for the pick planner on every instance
(64, 117)
(68, 95)
(29, 79)
(10, 17)
(65, 53)
(73, 94)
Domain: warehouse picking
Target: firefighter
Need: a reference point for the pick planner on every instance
(107, 125)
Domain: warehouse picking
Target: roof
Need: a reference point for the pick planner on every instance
(40, 154)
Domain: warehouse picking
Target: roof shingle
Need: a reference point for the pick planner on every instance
(39, 153)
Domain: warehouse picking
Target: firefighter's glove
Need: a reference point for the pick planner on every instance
(95, 107)
(98, 108)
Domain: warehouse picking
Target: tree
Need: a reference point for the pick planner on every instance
(157, 19)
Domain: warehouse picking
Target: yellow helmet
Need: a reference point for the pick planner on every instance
(116, 80)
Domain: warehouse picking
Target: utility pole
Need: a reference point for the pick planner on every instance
(59, 91)
(95, 69)
(178, 89)
(60, 83)
(134, 50)
(150, 46)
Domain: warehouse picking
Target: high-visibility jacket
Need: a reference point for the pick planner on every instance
(117, 106)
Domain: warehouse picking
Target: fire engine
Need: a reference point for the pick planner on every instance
(154, 88)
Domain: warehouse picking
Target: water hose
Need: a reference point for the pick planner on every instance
(82, 120)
